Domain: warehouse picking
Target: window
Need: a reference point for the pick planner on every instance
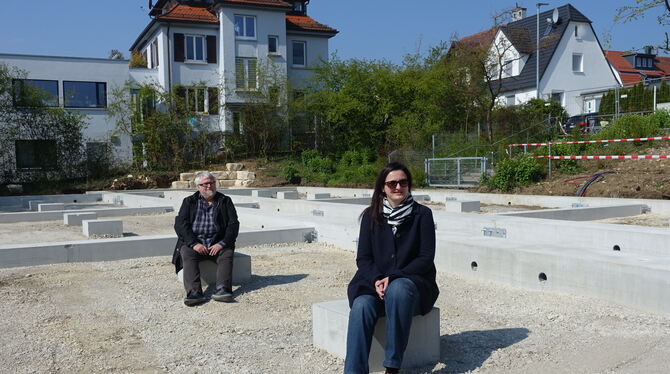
(245, 73)
(510, 100)
(36, 154)
(203, 100)
(576, 31)
(507, 68)
(154, 54)
(245, 27)
(299, 7)
(238, 123)
(195, 48)
(299, 53)
(273, 43)
(643, 62)
(35, 92)
(557, 96)
(577, 63)
(85, 94)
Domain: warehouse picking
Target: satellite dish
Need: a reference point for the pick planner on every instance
(554, 16)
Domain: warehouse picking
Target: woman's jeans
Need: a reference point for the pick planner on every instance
(400, 304)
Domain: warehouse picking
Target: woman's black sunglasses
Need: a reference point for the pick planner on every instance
(392, 184)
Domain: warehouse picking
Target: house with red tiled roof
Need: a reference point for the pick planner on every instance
(214, 49)
(632, 67)
(565, 64)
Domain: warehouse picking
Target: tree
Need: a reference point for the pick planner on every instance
(115, 54)
(39, 140)
(628, 13)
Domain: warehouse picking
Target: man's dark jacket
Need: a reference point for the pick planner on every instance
(225, 217)
(407, 254)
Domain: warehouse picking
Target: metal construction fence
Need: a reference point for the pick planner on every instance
(455, 171)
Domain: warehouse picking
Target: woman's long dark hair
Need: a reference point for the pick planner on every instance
(376, 205)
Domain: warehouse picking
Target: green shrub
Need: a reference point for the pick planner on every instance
(308, 155)
(418, 177)
(290, 173)
(322, 165)
(519, 171)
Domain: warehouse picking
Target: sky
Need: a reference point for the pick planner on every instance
(369, 29)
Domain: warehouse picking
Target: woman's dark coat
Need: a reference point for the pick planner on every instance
(407, 254)
(225, 216)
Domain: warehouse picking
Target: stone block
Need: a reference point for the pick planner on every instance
(75, 219)
(287, 195)
(329, 332)
(106, 227)
(185, 177)
(50, 207)
(241, 270)
(317, 196)
(219, 175)
(225, 183)
(460, 206)
(232, 175)
(32, 204)
(261, 193)
(243, 183)
(246, 175)
(15, 188)
(234, 166)
(181, 184)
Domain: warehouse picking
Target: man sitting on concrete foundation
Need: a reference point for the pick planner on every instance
(207, 228)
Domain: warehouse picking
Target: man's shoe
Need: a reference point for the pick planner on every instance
(222, 295)
(194, 298)
(392, 371)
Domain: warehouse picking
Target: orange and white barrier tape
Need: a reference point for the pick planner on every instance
(613, 157)
(593, 141)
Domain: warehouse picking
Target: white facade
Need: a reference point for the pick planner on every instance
(157, 43)
(114, 73)
(574, 83)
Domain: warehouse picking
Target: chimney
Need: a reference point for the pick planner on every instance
(648, 50)
(518, 13)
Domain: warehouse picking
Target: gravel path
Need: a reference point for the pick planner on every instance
(128, 317)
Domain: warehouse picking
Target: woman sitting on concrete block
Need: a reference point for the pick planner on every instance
(396, 273)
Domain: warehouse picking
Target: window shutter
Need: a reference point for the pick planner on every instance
(252, 74)
(239, 73)
(211, 49)
(179, 47)
(213, 94)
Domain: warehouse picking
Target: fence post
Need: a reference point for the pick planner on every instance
(549, 164)
(654, 106)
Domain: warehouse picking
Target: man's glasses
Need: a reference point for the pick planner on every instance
(207, 184)
(392, 184)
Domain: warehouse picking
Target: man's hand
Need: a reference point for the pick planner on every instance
(213, 250)
(200, 248)
(380, 287)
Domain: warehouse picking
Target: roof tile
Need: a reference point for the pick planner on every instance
(306, 23)
(630, 75)
(189, 13)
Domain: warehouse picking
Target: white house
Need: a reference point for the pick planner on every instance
(209, 45)
(572, 66)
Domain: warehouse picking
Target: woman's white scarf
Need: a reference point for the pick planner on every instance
(396, 216)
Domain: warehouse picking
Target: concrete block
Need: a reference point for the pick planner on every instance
(219, 175)
(241, 270)
(234, 166)
(460, 206)
(107, 227)
(329, 332)
(181, 184)
(287, 195)
(185, 177)
(50, 207)
(261, 193)
(75, 219)
(246, 175)
(32, 204)
(317, 196)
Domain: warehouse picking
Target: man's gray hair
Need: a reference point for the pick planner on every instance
(203, 175)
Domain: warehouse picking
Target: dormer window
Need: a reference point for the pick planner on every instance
(299, 7)
(642, 62)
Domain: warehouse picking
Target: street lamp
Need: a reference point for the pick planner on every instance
(537, 51)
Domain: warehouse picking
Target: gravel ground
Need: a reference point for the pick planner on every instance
(128, 317)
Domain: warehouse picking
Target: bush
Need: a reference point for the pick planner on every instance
(290, 173)
(308, 155)
(137, 60)
(320, 165)
(519, 171)
(418, 176)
